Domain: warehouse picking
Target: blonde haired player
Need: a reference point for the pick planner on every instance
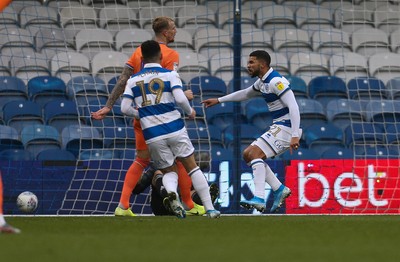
(155, 91)
(165, 31)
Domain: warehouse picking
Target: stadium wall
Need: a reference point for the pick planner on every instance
(319, 186)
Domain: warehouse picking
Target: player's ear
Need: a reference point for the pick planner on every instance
(161, 56)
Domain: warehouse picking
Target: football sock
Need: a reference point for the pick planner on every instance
(158, 185)
(131, 178)
(258, 166)
(271, 179)
(201, 186)
(185, 185)
(170, 182)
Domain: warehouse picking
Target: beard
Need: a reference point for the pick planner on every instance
(253, 73)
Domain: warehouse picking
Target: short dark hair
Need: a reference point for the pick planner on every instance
(161, 23)
(262, 55)
(150, 50)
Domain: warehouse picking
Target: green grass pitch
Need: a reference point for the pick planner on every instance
(230, 238)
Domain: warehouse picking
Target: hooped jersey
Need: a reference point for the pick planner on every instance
(272, 86)
(170, 59)
(151, 90)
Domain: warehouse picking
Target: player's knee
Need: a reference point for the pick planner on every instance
(247, 155)
(144, 162)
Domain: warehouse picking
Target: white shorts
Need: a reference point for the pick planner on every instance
(164, 152)
(275, 141)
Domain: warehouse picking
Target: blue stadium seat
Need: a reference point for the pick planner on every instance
(55, 155)
(201, 133)
(37, 138)
(114, 118)
(18, 114)
(221, 154)
(128, 154)
(301, 153)
(342, 112)
(338, 153)
(245, 81)
(84, 88)
(311, 112)
(248, 133)
(9, 138)
(298, 86)
(61, 113)
(326, 88)
(378, 151)
(96, 154)
(12, 89)
(16, 155)
(393, 88)
(366, 88)
(78, 137)
(321, 137)
(392, 131)
(207, 85)
(257, 113)
(119, 137)
(111, 83)
(220, 115)
(364, 133)
(42, 89)
(383, 111)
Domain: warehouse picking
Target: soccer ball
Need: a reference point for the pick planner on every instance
(27, 202)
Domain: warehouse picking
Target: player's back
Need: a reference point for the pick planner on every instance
(151, 90)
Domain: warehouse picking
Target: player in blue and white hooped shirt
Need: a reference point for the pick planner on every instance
(284, 133)
(154, 92)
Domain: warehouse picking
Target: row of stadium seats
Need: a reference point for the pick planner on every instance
(107, 65)
(42, 89)
(264, 15)
(365, 41)
(36, 138)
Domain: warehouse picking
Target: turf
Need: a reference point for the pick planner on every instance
(230, 238)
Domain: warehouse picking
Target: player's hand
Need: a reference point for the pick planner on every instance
(294, 144)
(189, 94)
(101, 113)
(193, 114)
(210, 102)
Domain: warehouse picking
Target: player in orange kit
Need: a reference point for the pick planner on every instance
(165, 31)
(4, 4)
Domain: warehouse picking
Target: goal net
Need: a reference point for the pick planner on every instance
(60, 61)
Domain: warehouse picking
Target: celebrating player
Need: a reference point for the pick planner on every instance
(165, 30)
(283, 134)
(4, 227)
(154, 91)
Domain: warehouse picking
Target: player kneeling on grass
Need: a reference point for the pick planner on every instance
(155, 91)
(159, 196)
(283, 134)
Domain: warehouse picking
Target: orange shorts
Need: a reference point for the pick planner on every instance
(139, 137)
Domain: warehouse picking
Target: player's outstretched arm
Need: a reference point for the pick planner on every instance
(117, 91)
(210, 102)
